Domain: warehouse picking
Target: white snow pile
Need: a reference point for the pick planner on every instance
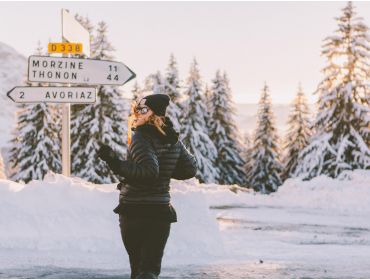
(349, 193)
(70, 220)
(70, 216)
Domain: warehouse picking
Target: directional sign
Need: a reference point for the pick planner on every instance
(65, 48)
(77, 71)
(73, 31)
(53, 94)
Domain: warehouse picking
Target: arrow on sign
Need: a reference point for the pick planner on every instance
(77, 71)
(53, 94)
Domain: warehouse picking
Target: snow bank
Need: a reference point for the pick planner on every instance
(349, 193)
(69, 222)
(71, 216)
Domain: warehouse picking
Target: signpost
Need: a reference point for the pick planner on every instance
(78, 95)
(67, 70)
(72, 31)
(77, 71)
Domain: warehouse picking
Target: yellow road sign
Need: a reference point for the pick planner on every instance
(65, 48)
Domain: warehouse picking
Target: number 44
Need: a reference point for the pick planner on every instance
(112, 77)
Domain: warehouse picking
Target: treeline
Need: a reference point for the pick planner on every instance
(335, 140)
(204, 116)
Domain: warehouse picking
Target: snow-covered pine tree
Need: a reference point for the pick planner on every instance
(157, 83)
(224, 133)
(114, 109)
(298, 133)
(81, 115)
(194, 131)
(14, 141)
(2, 168)
(172, 88)
(207, 96)
(341, 140)
(246, 140)
(36, 141)
(105, 121)
(264, 174)
(147, 86)
(137, 92)
(247, 155)
(153, 84)
(86, 134)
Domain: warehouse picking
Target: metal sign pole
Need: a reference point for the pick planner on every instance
(66, 140)
(66, 133)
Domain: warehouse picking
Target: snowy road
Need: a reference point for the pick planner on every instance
(241, 270)
(295, 242)
(262, 242)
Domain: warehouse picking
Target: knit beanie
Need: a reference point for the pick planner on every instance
(157, 103)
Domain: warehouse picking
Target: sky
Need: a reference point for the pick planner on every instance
(254, 42)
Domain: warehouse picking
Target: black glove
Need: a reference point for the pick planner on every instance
(106, 153)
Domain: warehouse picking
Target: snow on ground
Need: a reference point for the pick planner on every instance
(318, 228)
(72, 218)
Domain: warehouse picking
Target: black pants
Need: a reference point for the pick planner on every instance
(144, 240)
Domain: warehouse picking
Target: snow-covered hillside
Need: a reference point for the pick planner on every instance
(67, 222)
(13, 67)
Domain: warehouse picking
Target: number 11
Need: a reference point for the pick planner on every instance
(113, 67)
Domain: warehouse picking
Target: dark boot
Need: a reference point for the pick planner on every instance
(146, 275)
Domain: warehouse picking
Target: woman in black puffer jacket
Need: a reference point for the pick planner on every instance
(154, 156)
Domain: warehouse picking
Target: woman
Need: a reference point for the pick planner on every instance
(155, 155)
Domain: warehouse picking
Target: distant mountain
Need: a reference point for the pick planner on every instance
(13, 67)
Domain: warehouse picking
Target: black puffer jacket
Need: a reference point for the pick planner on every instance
(152, 160)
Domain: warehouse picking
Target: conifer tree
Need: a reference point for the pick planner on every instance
(206, 97)
(36, 143)
(247, 156)
(341, 140)
(298, 133)
(81, 116)
(2, 168)
(157, 83)
(105, 121)
(224, 133)
(137, 92)
(194, 131)
(172, 88)
(264, 174)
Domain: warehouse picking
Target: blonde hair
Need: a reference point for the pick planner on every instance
(158, 122)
